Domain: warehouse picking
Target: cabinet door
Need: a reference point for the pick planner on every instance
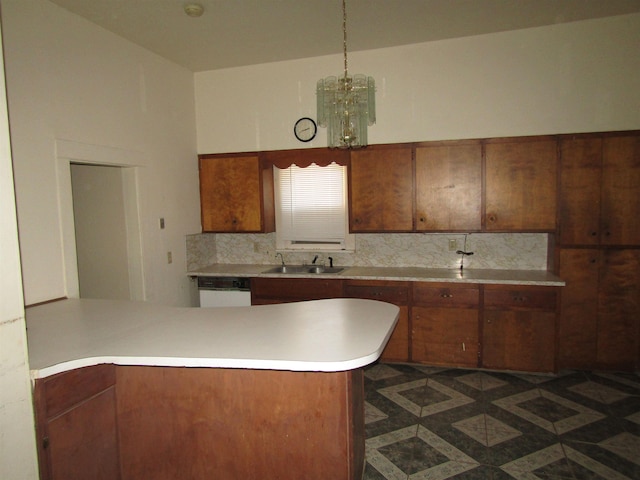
(580, 177)
(621, 191)
(397, 293)
(578, 321)
(283, 290)
(444, 324)
(444, 336)
(520, 185)
(519, 328)
(77, 426)
(619, 309)
(231, 195)
(448, 187)
(381, 190)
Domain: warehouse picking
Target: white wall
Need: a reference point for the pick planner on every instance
(17, 436)
(566, 78)
(72, 83)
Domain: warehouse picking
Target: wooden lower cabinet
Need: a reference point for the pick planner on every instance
(284, 290)
(397, 293)
(167, 423)
(444, 324)
(216, 423)
(519, 328)
(600, 309)
(77, 426)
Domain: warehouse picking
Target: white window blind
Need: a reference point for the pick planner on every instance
(311, 207)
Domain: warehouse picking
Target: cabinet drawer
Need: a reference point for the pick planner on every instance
(67, 389)
(398, 294)
(520, 298)
(445, 295)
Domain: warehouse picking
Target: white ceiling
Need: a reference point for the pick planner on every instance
(234, 33)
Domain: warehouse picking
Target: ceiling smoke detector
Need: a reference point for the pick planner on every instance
(194, 9)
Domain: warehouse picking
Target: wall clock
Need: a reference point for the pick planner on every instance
(305, 129)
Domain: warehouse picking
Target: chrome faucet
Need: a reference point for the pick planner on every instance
(313, 262)
(330, 262)
(281, 257)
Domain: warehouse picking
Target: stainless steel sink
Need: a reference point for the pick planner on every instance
(300, 269)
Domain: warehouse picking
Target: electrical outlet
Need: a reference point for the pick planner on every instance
(453, 245)
(162, 225)
(169, 257)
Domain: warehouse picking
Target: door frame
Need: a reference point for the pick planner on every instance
(68, 152)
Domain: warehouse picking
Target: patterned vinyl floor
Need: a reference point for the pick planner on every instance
(435, 423)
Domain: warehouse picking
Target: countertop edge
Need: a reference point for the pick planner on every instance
(402, 274)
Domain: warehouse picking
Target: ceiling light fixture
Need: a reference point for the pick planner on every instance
(346, 105)
(194, 9)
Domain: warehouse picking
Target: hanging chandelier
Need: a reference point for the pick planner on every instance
(346, 104)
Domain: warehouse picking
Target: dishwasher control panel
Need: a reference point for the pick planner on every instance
(224, 283)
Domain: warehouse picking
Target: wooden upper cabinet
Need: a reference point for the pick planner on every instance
(236, 194)
(381, 190)
(580, 177)
(620, 190)
(520, 185)
(600, 190)
(448, 187)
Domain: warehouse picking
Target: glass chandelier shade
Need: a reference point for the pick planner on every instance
(346, 104)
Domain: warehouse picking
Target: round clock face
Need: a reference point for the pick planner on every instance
(305, 129)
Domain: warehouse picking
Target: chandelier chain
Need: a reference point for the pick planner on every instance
(344, 33)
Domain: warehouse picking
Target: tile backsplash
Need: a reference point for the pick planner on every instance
(510, 251)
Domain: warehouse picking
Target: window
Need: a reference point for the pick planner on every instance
(311, 208)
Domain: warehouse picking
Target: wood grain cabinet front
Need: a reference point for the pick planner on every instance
(520, 185)
(284, 290)
(381, 189)
(519, 328)
(599, 325)
(76, 425)
(236, 194)
(444, 324)
(397, 293)
(449, 187)
(600, 190)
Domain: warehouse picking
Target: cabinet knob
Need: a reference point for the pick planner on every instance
(422, 219)
(593, 234)
(491, 217)
(45, 442)
(446, 295)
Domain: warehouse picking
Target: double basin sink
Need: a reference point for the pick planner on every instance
(304, 269)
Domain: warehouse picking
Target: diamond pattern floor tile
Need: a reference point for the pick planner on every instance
(435, 423)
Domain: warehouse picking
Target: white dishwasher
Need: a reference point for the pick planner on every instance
(224, 291)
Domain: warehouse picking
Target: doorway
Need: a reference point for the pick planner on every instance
(105, 192)
(100, 231)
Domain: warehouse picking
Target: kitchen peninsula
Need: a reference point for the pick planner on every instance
(272, 391)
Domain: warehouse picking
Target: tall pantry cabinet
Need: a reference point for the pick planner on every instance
(599, 251)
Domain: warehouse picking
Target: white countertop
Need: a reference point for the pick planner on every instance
(412, 274)
(321, 335)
